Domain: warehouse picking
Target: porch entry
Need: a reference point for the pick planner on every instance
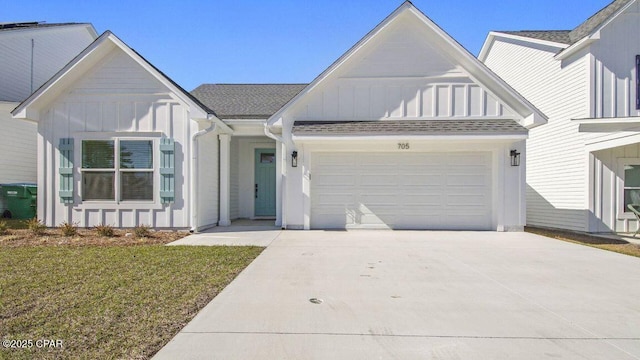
(265, 182)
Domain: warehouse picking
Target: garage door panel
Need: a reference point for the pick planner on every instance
(429, 201)
(379, 180)
(427, 179)
(402, 190)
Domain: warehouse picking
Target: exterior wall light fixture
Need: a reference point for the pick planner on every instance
(515, 158)
(294, 159)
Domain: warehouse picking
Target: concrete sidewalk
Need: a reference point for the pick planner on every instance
(240, 233)
(421, 295)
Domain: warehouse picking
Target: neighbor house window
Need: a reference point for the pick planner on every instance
(117, 170)
(631, 188)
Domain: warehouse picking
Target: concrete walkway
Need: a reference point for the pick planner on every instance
(421, 295)
(240, 233)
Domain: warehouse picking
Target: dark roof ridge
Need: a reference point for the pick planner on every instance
(35, 25)
(576, 34)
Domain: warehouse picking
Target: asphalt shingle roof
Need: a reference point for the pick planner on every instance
(596, 20)
(409, 127)
(246, 101)
(571, 37)
(558, 36)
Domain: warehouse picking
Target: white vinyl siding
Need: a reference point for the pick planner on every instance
(556, 159)
(401, 191)
(18, 144)
(53, 48)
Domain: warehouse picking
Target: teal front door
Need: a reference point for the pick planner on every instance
(265, 182)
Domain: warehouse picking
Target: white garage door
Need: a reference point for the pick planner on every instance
(401, 191)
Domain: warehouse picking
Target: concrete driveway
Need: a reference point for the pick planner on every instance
(422, 295)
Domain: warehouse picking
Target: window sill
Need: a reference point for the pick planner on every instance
(123, 205)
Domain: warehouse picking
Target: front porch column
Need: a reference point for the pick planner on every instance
(225, 179)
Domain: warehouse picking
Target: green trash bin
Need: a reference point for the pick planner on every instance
(19, 200)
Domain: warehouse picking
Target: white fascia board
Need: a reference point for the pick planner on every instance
(443, 138)
(573, 49)
(220, 125)
(622, 140)
(534, 120)
(482, 56)
(604, 121)
(257, 122)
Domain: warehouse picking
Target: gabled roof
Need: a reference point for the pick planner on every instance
(85, 61)
(570, 39)
(246, 101)
(478, 71)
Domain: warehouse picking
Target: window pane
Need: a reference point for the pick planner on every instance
(136, 185)
(631, 197)
(136, 154)
(98, 186)
(267, 158)
(97, 154)
(632, 176)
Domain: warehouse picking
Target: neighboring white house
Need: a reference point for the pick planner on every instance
(30, 54)
(407, 130)
(583, 167)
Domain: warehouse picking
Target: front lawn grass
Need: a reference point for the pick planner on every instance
(108, 302)
(615, 245)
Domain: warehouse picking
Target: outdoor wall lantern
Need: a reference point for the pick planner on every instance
(515, 158)
(294, 159)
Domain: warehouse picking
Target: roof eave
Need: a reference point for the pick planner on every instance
(482, 56)
(576, 47)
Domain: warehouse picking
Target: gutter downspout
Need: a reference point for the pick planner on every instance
(283, 193)
(194, 174)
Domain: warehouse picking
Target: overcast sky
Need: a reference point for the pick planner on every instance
(287, 41)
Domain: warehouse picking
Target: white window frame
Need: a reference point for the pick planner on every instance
(116, 138)
(624, 213)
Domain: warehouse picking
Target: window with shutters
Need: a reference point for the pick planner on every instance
(117, 169)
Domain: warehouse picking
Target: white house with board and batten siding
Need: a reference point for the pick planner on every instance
(583, 167)
(119, 143)
(406, 130)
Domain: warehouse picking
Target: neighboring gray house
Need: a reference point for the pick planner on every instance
(583, 167)
(30, 54)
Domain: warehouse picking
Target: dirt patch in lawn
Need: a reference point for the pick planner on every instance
(600, 242)
(86, 237)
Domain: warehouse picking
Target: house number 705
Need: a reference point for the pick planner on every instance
(403, 146)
